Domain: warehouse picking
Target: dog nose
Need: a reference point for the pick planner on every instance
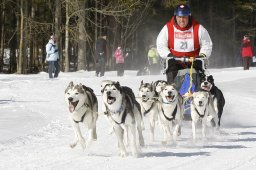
(70, 99)
(108, 93)
(169, 93)
(205, 83)
(200, 102)
(143, 95)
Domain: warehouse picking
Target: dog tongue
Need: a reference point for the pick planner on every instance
(71, 108)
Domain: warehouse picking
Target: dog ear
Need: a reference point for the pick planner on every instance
(71, 84)
(211, 78)
(141, 82)
(174, 85)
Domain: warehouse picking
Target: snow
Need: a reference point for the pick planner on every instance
(35, 130)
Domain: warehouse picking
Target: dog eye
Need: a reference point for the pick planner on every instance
(68, 93)
(76, 93)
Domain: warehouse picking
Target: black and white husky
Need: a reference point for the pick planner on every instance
(83, 108)
(202, 111)
(207, 84)
(171, 112)
(158, 86)
(149, 105)
(124, 112)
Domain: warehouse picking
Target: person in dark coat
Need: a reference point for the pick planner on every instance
(101, 55)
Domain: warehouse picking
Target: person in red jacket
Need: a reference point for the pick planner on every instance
(247, 52)
(182, 36)
(119, 56)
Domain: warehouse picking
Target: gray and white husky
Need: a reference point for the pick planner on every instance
(149, 105)
(171, 112)
(83, 108)
(202, 110)
(123, 111)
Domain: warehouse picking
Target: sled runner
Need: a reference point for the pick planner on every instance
(187, 81)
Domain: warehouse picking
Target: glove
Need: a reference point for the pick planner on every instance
(55, 51)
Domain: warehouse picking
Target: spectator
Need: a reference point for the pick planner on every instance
(119, 56)
(247, 52)
(153, 60)
(101, 55)
(52, 57)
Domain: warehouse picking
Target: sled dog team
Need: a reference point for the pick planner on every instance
(159, 102)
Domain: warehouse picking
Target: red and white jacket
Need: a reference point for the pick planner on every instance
(180, 42)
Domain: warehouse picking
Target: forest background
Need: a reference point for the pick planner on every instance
(26, 26)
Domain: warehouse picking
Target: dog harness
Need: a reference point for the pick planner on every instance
(147, 111)
(82, 118)
(201, 116)
(122, 109)
(173, 114)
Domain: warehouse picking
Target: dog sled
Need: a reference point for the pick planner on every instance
(187, 81)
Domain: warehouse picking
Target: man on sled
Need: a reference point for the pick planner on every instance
(183, 43)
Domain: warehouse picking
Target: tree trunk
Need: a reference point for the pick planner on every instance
(81, 62)
(2, 20)
(67, 38)
(20, 59)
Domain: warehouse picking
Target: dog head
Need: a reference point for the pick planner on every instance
(207, 82)
(75, 96)
(146, 91)
(104, 83)
(169, 93)
(159, 84)
(112, 93)
(200, 98)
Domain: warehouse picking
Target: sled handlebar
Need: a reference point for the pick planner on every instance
(186, 59)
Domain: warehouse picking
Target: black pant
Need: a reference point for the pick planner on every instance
(100, 66)
(247, 62)
(120, 69)
(174, 66)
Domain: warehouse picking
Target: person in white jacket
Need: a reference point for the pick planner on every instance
(182, 36)
(52, 57)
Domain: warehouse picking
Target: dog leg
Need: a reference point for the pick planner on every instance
(176, 132)
(78, 136)
(203, 129)
(166, 130)
(141, 138)
(152, 126)
(133, 140)
(194, 130)
(126, 137)
(119, 134)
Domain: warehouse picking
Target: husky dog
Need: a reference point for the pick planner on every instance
(171, 112)
(202, 110)
(207, 84)
(83, 108)
(158, 85)
(148, 103)
(124, 112)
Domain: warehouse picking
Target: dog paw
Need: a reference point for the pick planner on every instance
(82, 143)
(72, 145)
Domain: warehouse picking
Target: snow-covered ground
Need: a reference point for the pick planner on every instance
(35, 131)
